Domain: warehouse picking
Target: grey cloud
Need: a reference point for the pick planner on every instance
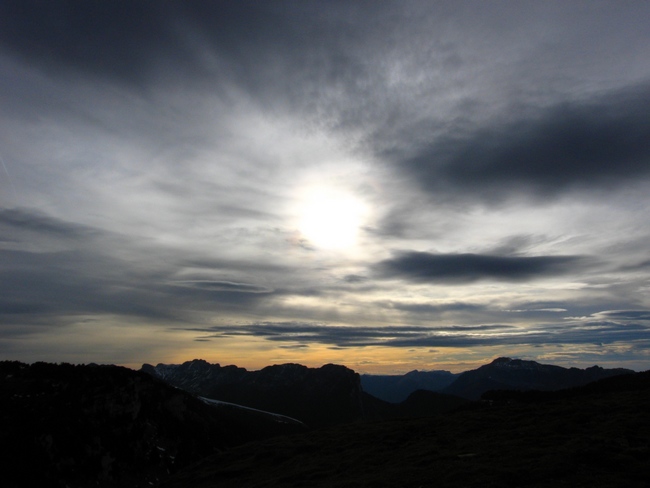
(636, 267)
(353, 278)
(95, 272)
(464, 268)
(353, 336)
(131, 40)
(435, 309)
(226, 286)
(117, 38)
(623, 315)
(34, 285)
(22, 219)
(597, 144)
(543, 310)
(302, 333)
(210, 264)
(593, 331)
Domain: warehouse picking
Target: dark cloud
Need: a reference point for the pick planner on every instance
(351, 336)
(301, 333)
(433, 308)
(623, 315)
(133, 40)
(118, 37)
(96, 272)
(226, 286)
(580, 145)
(353, 278)
(54, 285)
(538, 310)
(464, 268)
(31, 220)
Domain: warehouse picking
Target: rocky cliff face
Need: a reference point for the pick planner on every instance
(327, 395)
(197, 376)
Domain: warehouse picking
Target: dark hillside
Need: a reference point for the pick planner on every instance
(321, 396)
(594, 437)
(107, 426)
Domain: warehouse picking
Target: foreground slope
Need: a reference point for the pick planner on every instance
(106, 426)
(597, 436)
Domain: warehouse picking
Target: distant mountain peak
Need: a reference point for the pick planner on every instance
(517, 374)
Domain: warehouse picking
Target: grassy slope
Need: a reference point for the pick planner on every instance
(595, 439)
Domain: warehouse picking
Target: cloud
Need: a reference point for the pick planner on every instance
(549, 310)
(428, 308)
(52, 271)
(601, 143)
(353, 278)
(622, 315)
(353, 336)
(464, 268)
(226, 286)
(305, 333)
(115, 38)
(245, 42)
(158, 153)
(32, 220)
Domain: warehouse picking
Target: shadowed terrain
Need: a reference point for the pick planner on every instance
(106, 426)
(321, 396)
(591, 436)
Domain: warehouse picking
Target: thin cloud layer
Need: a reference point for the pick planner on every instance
(395, 183)
(303, 334)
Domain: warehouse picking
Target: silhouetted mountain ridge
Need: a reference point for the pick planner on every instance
(517, 374)
(327, 395)
(396, 388)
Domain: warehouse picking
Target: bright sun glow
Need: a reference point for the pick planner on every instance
(330, 219)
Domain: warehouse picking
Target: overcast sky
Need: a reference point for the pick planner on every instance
(385, 185)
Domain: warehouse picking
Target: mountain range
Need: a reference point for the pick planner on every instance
(334, 394)
(517, 374)
(327, 395)
(108, 426)
(397, 388)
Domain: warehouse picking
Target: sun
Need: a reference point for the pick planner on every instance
(331, 218)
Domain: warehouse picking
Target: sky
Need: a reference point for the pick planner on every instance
(385, 185)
